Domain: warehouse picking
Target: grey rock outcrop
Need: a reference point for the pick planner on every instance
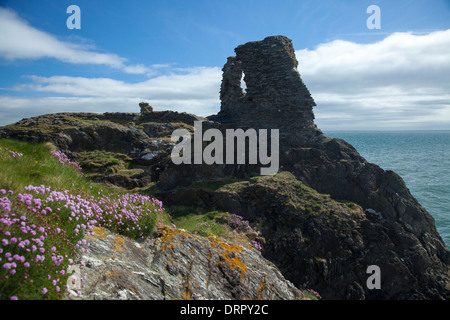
(145, 108)
(175, 264)
(75, 132)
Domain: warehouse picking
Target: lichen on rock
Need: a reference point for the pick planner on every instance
(176, 264)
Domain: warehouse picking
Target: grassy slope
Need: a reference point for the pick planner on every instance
(36, 166)
(23, 164)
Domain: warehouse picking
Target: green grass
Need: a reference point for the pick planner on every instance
(208, 222)
(100, 161)
(198, 220)
(38, 167)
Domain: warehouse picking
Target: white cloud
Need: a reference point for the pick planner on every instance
(20, 40)
(399, 82)
(193, 90)
(194, 84)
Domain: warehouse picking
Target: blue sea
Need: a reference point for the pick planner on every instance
(421, 158)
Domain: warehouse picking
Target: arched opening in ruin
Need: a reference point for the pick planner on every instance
(243, 84)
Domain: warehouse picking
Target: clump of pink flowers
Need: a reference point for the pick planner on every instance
(64, 159)
(257, 245)
(237, 222)
(41, 230)
(313, 293)
(34, 250)
(129, 214)
(14, 154)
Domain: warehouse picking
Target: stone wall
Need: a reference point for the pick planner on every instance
(275, 96)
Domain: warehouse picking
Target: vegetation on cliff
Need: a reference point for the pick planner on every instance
(46, 209)
(52, 216)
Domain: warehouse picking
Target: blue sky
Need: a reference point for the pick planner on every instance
(170, 54)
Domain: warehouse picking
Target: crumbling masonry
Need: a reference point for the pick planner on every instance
(275, 96)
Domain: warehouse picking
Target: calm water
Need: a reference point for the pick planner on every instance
(421, 158)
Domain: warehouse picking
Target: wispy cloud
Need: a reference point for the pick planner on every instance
(193, 90)
(199, 83)
(19, 40)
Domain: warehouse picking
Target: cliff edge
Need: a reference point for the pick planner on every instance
(317, 247)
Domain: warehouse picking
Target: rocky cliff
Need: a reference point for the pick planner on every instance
(325, 217)
(175, 264)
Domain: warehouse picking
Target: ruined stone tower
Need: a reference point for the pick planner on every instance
(275, 96)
